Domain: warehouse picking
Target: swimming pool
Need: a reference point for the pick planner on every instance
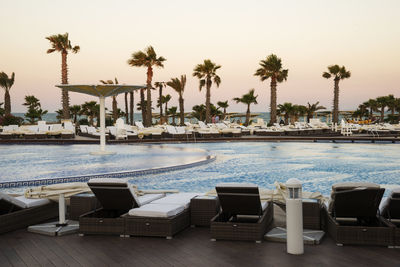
(317, 165)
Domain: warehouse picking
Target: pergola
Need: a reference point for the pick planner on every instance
(102, 91)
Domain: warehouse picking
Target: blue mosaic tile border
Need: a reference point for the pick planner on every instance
(86, 178)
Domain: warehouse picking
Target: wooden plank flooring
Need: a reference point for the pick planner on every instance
(192, 247)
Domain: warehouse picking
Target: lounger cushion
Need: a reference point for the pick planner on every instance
(146, 199)
(182, 199)
(157, 210)
(24, 202)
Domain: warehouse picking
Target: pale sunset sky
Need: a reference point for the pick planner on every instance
(308, 35)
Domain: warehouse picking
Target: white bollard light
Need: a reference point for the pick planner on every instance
(294, 217)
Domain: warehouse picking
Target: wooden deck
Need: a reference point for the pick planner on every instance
(191, 247)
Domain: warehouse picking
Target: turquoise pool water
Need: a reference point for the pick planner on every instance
(317, 165)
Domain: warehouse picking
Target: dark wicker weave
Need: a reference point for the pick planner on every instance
(247, 231)
(101, 222)
(22, 218)
(81, 204)
(312, 215)
(162, 227)
(202, 210)
(381, 234)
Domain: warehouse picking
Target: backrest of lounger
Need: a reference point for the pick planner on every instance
(239, 199)
(114, 194)
(356, 203)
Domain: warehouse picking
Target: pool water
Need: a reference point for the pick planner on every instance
(317, 165)
(35, 162)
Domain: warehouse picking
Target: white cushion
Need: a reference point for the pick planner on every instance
(182, 199)
(264, 204)
(157, 210)
(146, 199)
(24, 202)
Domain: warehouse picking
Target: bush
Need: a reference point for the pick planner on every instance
(11, 120)
(83, 121)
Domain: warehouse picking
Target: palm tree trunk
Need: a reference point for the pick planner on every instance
(148, 106)
(173, 119)
(181, 110)
(142, 105)
(126, 110)
(208, 100)
(166, 112)
(161, 110)
(131, 105)
(115, 107)
(7, 103)
(273, 101)
(224, 114)
(64, 80)
(382, 113)
(247, 115)
(336, 101)
(286, 119)
(370, 114)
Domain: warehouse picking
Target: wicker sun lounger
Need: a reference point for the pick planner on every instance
(164, 217)
(116, 197)
(391, 211)
(19, 212)
(243, 216)
(352, 216)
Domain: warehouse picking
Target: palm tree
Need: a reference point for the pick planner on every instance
(285, 109)
(131, 107)
(247, 99)
(382, 103)
(6, 83)
(299, 111)
(391, 104)
(311, 109)
(373, 106)
(199, 112)
(206, 73)
(165, 100)
(160, 86)
(361, 111)
(75, 110)
(172, 112)
(114, 99)
(339, 73)
(91, 110)
(271, 68)
(223, 105)
(61, 43)
(147, 59)
(179, 86)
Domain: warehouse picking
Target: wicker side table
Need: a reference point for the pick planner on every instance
(81, 204)
(311, 214)
(203, 209)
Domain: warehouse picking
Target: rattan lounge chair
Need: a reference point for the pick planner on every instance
(116, 197)
(164, 217)
(242, 215)
(391, 211)
(352, 216)
(20, 212)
